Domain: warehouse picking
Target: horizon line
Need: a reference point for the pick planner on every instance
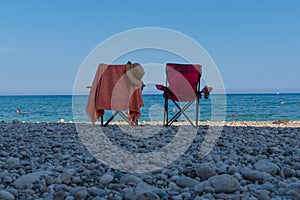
(59, 94)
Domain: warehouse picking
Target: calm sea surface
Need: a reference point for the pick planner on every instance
(239, 107)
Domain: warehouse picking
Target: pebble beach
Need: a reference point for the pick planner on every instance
(248, 160)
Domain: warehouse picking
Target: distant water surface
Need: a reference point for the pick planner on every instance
(240, 107)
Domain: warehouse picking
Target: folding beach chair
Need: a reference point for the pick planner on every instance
(117, 88)
(183, 85)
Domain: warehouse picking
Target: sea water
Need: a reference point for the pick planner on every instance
(239, 107)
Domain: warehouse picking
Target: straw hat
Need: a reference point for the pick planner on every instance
(135, 73)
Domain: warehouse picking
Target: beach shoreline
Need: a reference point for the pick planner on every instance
(277, 123)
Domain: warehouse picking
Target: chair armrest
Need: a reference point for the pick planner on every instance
(161, 87)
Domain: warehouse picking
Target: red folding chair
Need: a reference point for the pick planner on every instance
(183, 85)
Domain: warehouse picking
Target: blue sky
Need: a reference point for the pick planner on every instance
(255, 44)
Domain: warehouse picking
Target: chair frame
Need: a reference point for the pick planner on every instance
(113, 116)
(182, 110)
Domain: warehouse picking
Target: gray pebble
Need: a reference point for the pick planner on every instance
(224, 183)
(204, 171)
(60, 195)
(13, 162)
(24, 180)
(293, 190)
(79, 192)
(3, 174)
(7, 180)
(76, 180)
(94, 191)
(146, 195)
(263, 195)
(173, 186)
(106, 179)
(254, 175)
(49, 180)
(66, 178)
(288, 172)
(232, 170)
(184, 181)
(130, 180)
(129, 193)
(267, 166)
(5, 195)
(200, 188)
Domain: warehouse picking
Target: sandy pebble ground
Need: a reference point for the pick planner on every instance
(246, 160)
(278, 123)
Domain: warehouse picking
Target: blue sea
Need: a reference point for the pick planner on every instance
(239, 107)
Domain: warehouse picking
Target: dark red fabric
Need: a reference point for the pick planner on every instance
(182, 80)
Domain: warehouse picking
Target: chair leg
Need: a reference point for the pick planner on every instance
(177, 115)
(166, 113)
(111, 118)
(182, 112)
(123, 116)
(197, 112)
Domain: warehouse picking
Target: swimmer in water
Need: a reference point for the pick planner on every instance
(18, 111)
(281, 102)
(233, 115)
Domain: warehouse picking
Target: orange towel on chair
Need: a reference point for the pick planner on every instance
(112, 90)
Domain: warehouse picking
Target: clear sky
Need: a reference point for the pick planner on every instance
(254, 43)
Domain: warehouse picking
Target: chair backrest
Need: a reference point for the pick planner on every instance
(183, 80)
(116, 92)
